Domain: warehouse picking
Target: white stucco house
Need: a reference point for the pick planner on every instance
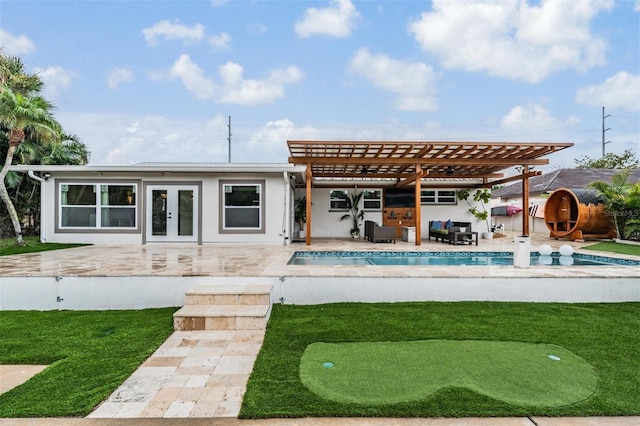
(406, 184)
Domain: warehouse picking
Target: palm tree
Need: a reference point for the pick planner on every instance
(13, 75)
(355, 214)
(21, 115)
(615, 196)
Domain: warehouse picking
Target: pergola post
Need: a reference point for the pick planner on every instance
(309, 179)
(525, 200)
(418, 204)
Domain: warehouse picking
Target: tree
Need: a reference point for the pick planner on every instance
(22, 115)
(616, 196)
(13, 75)
(481, 198)
(626, 160)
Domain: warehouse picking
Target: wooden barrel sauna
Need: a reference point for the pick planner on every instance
(577, 214)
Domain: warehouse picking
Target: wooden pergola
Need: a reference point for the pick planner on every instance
(397, 164)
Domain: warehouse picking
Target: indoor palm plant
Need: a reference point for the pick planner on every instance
(300, 214)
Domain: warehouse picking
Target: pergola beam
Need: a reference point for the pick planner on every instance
(360, 161)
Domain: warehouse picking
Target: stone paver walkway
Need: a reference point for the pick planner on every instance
(193, 374)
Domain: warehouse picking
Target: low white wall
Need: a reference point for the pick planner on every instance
(105, 293)
(309, 291)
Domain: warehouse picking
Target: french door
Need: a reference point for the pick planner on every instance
(172, 213)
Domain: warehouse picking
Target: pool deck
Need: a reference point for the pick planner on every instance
(254, 260)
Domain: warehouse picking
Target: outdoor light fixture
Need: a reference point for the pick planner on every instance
(46, 176)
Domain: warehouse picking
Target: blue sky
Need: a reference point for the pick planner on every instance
(158, 80)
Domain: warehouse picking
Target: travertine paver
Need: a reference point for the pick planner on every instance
(193, 374)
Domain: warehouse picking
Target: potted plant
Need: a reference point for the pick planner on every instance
(300, 214)
(355, 214)
(481, 198)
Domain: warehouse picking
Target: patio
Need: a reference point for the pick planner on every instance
(238, 260)
(254, 260)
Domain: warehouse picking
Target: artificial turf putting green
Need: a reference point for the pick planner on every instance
(393, 372)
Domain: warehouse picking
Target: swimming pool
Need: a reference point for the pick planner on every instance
(446, 258)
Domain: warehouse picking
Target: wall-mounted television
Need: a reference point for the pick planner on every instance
(399, 197)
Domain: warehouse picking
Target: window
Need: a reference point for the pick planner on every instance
(338, 200)
(428, 196)
(242, 206)
(372, 200)
(97, 205)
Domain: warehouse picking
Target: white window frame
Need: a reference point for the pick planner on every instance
(377, 200)
(98, 206)
(333, 199)
(438, 196)
(260, 207)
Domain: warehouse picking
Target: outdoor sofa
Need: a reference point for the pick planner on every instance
(440, 229)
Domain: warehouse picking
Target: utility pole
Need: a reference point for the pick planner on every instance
(229, 138)
(604, 131)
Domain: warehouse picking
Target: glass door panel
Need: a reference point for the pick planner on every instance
(172, 213)
(185, 215)
(159, 212)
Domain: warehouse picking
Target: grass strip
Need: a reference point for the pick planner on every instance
(8, 246)
(90, 354)
(604, 335)
(613, 247)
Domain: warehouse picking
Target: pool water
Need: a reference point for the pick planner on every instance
(438, 258)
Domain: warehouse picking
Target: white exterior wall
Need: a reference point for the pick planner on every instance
(274, 210)
(514, 223)
(327, 224)
(274, 207)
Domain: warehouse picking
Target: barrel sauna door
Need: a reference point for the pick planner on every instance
(564, 214)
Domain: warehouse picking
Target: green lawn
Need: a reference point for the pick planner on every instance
(613, 247)
(90, 353)
(604, 335)
(32, 244)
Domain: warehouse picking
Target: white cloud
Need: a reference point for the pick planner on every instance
(193, 78)
(513, 39)
(412, 82)
(173, 31)
(336, 20)
(620, 91)
(533, 122)
(56, 81)
(218, 3)
(220, 41)
(237, 90)
(15, 45)
(121, 139)
(117, 76)
(637, 6)
(234, 88)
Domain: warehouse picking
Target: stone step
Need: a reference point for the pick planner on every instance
(221, 317)
(224, 307)
(216, 294)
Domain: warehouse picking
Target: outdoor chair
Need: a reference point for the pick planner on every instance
(383, 234)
